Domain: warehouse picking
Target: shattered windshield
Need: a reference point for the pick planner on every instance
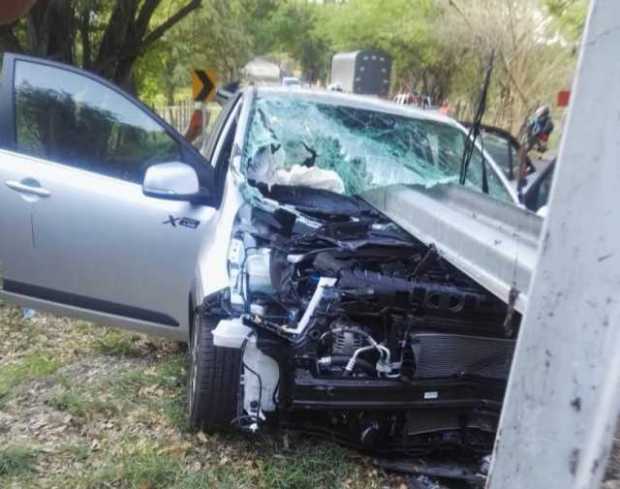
(298, 141)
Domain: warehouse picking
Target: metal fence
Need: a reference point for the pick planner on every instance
(178, 116)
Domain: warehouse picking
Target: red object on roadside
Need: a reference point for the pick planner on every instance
(196, 124)
(563, 98)
(11, 10)
(445, 108)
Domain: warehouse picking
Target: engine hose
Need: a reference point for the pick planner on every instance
(348, 370)
(342, 360)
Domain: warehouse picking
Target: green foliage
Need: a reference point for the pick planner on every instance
(293, 28)
(570, 15)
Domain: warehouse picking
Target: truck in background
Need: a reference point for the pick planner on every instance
(365, 72)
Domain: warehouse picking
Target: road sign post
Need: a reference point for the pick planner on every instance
(204, 83)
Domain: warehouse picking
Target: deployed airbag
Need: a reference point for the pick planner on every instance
(312, 177)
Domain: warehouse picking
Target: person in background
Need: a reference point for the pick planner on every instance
(539, 129)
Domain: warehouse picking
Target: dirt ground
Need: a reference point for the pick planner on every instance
(87, 407)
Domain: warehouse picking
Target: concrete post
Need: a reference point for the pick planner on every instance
(563, 396)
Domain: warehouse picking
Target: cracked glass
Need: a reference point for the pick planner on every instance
(295, 140)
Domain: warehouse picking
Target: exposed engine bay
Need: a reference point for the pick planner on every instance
(351, 328)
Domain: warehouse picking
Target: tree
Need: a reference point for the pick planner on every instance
(402, 28)
(292, 28)
(106, 36)
(221, 35)
(531, 63)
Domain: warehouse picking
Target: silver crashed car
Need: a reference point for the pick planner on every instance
(302, 303)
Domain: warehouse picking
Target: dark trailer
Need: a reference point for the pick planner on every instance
(365, 72)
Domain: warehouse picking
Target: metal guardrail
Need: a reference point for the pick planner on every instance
(492, 242)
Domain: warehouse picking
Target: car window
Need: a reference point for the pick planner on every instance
(501, 150)
(69, 118)
(537, 194)
(545, 189)
(475, 177)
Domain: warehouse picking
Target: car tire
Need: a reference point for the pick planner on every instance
(213, 382)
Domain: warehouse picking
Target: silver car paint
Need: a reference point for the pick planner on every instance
(16, 232)
(99, 237)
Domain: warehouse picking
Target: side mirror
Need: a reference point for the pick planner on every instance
(171, 181)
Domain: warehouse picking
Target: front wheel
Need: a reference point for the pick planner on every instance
(213, 382)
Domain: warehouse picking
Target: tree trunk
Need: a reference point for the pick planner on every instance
(126, 38)
(113, 47)
(51, 30)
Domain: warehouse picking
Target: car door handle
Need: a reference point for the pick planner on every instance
(28, 188)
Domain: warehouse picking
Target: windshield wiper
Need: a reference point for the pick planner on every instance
(474, 130)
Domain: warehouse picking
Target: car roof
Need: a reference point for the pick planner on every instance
(366, 102)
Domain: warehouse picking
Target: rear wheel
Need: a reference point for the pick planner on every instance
(213, 382)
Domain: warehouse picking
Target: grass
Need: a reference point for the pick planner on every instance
(320, 466)
(150, 465)
(33, 366)
(16, 460)
(117, 343)
(111, 414)
(82, 405)
(162, 388)
(143, 467)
